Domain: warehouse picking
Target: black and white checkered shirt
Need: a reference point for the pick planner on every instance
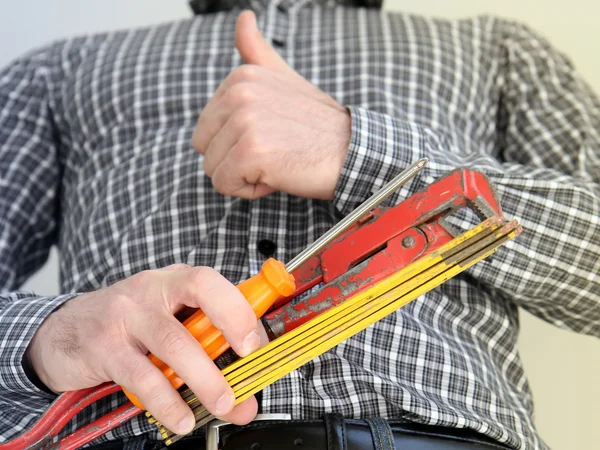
(95, 157)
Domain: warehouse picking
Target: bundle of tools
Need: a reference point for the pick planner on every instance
(373, 262)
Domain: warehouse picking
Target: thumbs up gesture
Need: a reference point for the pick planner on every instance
(268, 129)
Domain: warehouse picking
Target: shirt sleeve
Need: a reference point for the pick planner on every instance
(545, 165)
(30, 176)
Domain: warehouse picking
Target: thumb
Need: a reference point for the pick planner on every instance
(253, 47)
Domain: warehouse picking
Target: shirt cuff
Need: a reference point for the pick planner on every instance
(19, 321)
(380, 148)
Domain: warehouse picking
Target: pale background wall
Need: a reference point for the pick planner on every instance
(563, 368)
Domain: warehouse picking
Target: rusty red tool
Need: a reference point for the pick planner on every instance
(378, 245)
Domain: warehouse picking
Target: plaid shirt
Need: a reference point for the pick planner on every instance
(95, 157)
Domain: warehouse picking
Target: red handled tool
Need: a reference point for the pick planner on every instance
(379, 244)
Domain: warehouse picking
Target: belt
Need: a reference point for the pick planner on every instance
(335, 433)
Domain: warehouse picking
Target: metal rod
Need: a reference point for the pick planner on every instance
(355, 215)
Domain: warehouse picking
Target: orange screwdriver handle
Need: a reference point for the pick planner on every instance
(261, 291)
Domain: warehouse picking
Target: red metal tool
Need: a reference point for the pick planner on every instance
(62, 410)
(378, 245)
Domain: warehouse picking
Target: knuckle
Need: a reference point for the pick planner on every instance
(242, 93)
(144, 379)
(141, 280)
(245, 73)
(169, 408)
(200, 120)
(114, 308)
(124, 367)
(113, 304)
(199, 141)
(221, 185)
(151, 391)
(107, 338)
(246, 118)
(243, 320)
(178, 266)
(172, 340)
(202, 279)
(208, 166)
(201, 275)
(250, 143)
(196, 134)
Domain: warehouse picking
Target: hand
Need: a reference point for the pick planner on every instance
(106, 335)
(267, 128)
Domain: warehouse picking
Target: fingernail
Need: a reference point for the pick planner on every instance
(251, 343)
(225, 404)
(186, 425)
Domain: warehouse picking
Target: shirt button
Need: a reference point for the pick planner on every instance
(278, 42)
(281, 8)
(266, 247)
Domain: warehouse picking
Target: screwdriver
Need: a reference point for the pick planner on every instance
(274, 280)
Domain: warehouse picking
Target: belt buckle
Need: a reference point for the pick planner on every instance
(212, 428)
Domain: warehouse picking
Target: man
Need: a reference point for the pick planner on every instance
(292, 129)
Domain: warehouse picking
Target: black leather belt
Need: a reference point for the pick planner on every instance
(337, 433)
